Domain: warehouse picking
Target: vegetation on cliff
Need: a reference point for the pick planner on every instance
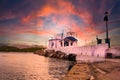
(15, 49)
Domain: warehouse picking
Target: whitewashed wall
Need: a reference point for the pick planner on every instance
(94, 50)
(114, 51)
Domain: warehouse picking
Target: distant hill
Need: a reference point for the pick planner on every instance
(6, 48)
(3, 44)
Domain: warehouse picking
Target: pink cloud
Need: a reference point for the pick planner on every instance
(61, 12)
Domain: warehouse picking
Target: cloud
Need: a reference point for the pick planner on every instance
(62, 11)
(44, 17)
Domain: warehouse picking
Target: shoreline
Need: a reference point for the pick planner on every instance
(56, 54)
(107, 70)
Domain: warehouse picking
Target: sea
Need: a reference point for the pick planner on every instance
(29, 66)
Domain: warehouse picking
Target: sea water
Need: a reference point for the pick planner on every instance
(29, 66)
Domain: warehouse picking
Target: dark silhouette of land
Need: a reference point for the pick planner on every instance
(6, 48)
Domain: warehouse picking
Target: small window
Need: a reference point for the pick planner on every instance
(52, 44)
(66, 43)
(61, 43)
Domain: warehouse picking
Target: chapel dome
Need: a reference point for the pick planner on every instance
(70, 38)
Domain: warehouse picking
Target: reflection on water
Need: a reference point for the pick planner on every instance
(28, 66)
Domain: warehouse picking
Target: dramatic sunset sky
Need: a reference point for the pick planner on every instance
(35, 21)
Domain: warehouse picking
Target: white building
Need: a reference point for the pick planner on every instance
(68, 44)
(69, 40)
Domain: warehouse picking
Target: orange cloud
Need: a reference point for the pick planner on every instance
(62, 8)
(46, 11)
(42, 32)
(62, 17)
(26, 19)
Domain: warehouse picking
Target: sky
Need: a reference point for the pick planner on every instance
(34, 22)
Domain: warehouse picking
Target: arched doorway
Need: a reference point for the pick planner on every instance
(66, 43)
